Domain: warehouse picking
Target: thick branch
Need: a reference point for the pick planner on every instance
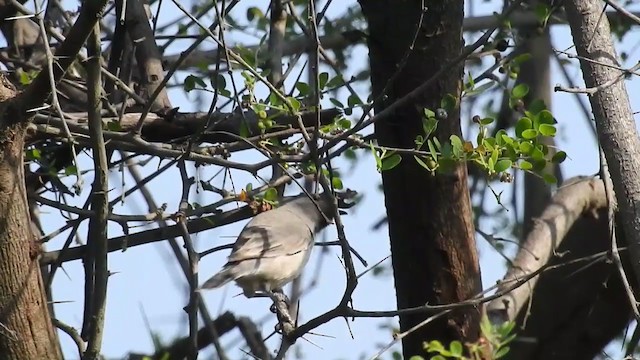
(571, 240)
(181, 126)
(615, 124)
(38, 91)
(570, 202)
(98, 275)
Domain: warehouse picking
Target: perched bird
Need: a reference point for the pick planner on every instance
(274, 246)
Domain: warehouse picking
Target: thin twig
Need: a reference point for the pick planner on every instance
(99, 202)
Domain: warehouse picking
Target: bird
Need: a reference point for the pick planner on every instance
(273, 248)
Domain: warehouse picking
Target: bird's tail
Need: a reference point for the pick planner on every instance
(224, 276)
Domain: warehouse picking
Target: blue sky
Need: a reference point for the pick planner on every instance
(149, 283)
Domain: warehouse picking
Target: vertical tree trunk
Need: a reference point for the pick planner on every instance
(430, 220)
(536, 73)
(26, 331)
(615, 125)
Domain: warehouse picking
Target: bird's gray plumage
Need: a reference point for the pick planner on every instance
(274, 246)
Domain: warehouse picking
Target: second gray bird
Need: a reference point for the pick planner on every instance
(274, 246)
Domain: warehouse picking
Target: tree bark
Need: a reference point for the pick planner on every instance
(615, 125)
(26, 330)
(430, 221)
(570, 239)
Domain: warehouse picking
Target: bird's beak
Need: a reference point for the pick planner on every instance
(342, 212)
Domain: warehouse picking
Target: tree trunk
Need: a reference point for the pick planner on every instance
(615, 125)
(536, 73)
(26, 330)
(430, 221)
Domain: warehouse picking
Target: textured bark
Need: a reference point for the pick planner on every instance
(543, 242)
(593, 308)
(430, 221)
(26, 330)
(147, 53)
(615, 125)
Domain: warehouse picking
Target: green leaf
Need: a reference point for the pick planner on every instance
(71, 170)
(503, 165)
(350, 154)
(432, 150)
(428, 113)
(336, 103)
(344, 123)
(254, 13)
(526, 147)
(25, 79)
(537, 106)
(487, 121)
(520, 91)
(353, 101)
(322, 79)
(271, 194)
(523, 124)
(511, 152)
(506, 138)
(547, 130)
(539, 165)
(376, 157)
(438, 357)
(501, 352)
(336, 81)
(559, 157)
(456, 348)
(33, 154)
(537, 154)
(546, 117)
(191, 81)
(448, 103)
(422, 163)
(542, 12)
(480, 89)
(294, 103)
(389, 162)
(456, 142)
(489, 143)
(429, 125)
(549, 179)
(218, 82)
(244, 130)
(446, 150)
(434, 346)
(494, 157)
(521, 59)
(525, 165)
(303, 88)
(416, 357)
(336, 183)
(529, 134)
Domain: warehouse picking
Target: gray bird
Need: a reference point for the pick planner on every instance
(274, 246)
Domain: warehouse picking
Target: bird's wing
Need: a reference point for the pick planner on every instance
(277, 235)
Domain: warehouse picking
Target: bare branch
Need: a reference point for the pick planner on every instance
(96, 265)
(575, 198)
(39, 89)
